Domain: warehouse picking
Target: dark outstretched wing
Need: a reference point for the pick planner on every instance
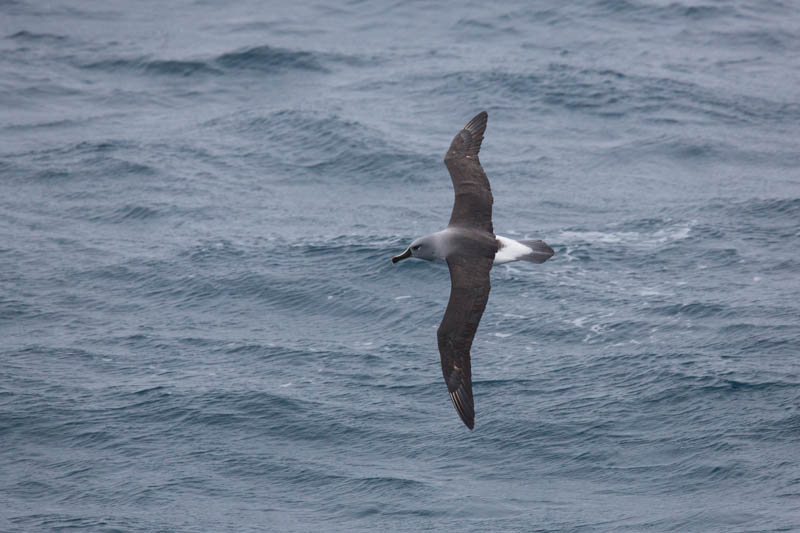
(473, 203)
(469, 293)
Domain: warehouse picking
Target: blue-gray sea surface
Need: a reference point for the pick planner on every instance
(201, 330)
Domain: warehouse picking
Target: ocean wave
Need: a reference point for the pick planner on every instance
(640, 233)
(264, 276)
(386, 486)
(654, 13)
(13, 309)
(126, 213)
(613, 93)
(145, 65)
(271, 59)
(758, 39)
(30, 36)
(332, 147)
(264, 59)
(767, 208)
(696, 310)
(106, 159)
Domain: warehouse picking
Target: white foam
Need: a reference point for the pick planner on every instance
(651, 292)
(659, 237)
(676, 233)
(599, 236)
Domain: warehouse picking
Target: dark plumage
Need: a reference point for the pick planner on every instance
(470, 248)
(469, 268)
(473, 203)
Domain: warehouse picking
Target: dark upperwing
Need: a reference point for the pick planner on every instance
(469, 292)
(473, 196)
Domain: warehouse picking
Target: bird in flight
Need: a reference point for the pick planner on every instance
(470, 248)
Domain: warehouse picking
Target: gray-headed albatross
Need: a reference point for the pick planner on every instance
(470, 248)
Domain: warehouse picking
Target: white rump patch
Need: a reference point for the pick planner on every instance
(511, 251)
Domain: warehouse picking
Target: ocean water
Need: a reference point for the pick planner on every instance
(202, 331)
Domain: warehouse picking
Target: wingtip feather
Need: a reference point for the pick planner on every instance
(465, 409)
(477, 125)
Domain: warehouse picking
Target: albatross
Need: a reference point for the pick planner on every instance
(470, 248)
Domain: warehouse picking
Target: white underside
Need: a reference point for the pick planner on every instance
(511, 251)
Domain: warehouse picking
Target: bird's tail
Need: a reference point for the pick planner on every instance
(540, 251)
(533, 251)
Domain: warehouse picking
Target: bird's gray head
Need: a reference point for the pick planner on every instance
(422, 248)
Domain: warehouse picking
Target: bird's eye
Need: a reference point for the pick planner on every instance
(415, 247)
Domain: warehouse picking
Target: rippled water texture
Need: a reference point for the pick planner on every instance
(201, 329)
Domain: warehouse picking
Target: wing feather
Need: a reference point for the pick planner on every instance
(469, 293)
(473, 195)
